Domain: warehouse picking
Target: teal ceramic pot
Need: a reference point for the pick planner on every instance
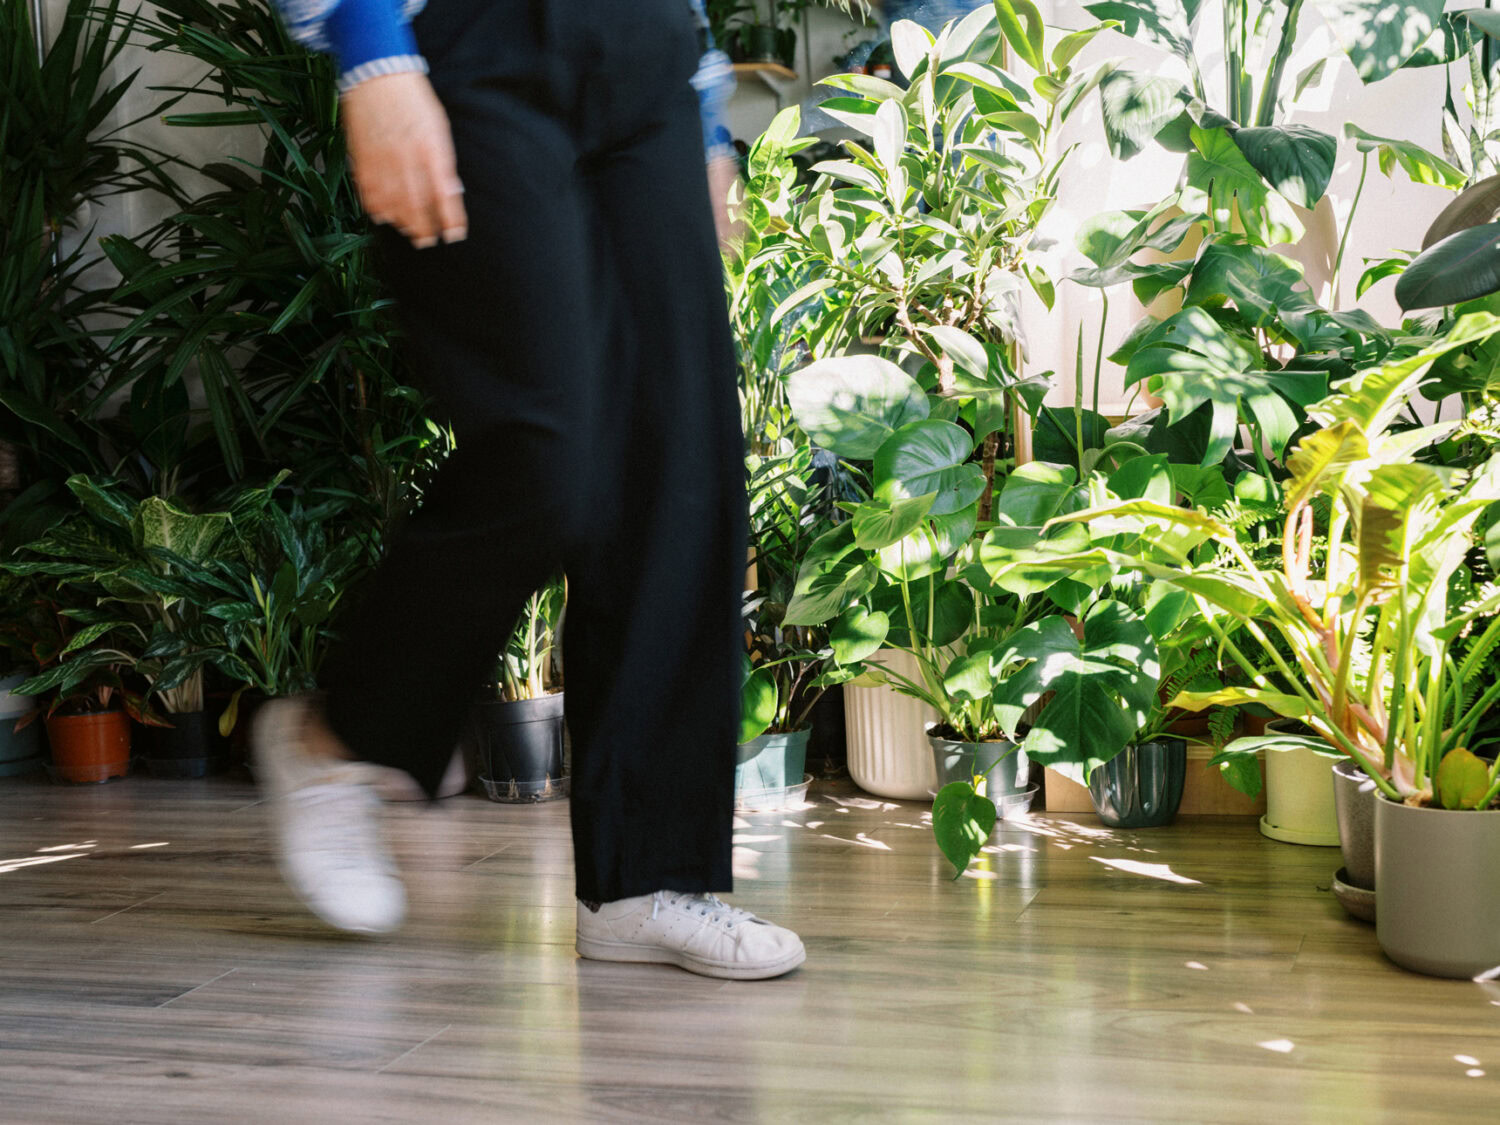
(772, 761)
(20, 751)
(1141, 787)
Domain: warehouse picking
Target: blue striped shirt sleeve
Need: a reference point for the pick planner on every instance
(366, 38)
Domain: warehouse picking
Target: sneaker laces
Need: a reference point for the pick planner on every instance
(708, 906)
(347, 839)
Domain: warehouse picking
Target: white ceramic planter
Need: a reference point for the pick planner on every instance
(1300, 807)
(889, 754)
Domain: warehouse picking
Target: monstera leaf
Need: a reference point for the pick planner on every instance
(1189, 360)
(1102, 688)
(853, 404)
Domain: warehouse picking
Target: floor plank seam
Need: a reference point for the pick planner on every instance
(123, 909)
(196, 987)
(412, 1050)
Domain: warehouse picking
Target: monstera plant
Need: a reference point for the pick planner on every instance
(1353, 634)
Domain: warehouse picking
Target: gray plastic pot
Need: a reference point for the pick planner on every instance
(1436, 889)
(1141, 786)
(1354, 797)
(1006, 769)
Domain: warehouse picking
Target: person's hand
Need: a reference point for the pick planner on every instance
(401, 149)
(723, 173)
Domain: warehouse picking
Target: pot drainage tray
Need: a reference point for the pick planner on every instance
(513, 792)
(773, 800)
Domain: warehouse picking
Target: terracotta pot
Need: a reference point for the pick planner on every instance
(90, 747)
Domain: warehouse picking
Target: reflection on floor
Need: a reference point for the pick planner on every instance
(156, 971)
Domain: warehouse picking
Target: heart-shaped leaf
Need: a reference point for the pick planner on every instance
(962, 821)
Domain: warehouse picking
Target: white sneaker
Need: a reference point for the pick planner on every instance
(325, 818)
(694, 931)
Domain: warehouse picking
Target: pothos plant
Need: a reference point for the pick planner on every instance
(1355, 633)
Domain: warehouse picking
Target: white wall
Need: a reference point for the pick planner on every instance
(1393, 213)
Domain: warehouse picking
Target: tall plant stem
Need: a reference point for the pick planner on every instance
(1099, 345)
(1265, 112)
(1338, 261)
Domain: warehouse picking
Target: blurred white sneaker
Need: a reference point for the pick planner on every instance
(325, 817)
(696, 932)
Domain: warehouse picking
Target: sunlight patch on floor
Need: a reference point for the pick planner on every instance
(1280, 1046)
(1160, 871)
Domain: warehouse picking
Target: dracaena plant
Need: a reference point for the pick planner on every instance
(1355, 634)
(925, 238)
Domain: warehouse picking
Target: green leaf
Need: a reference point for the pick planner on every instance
(1319, 455)
(1472, 207)
(757, 704)
(1102, 689)
(858, 634)
(1135, 108)
(1067, 48)
(1235, 188)
(890, 136)
(1023, 562)
(962, 821)
(1462, 780)
(878, 523)
(1242, 772)
(811, 289)
(1460, 268)
(833, 573)
(971, 677)
(1294, 159)
(1034, 493)
(1021, 23)
(1166, 22)
(1420, 165)
(852, 405)
(1380, 35)
(910, 43)
(926, 458)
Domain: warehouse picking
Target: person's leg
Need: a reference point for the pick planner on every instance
(653, 636)
(500, 328)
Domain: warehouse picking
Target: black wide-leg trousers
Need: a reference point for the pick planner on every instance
(579, 343)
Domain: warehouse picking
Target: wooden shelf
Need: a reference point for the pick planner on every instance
(775, 77)
(764, 70)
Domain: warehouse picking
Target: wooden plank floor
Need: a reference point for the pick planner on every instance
(154, 970)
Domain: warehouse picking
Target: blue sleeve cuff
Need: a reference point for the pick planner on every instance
(369, 38)
(715, 85)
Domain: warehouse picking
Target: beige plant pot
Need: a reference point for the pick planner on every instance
(889, 754)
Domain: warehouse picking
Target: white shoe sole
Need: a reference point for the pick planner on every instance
(602, 949)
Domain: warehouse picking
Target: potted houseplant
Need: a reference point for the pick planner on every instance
(82, 657)
(787, 668)
(1364, 609)
(518, 731)
(143, 564)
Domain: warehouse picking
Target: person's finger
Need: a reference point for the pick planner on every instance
(418, 222)
(453, 219)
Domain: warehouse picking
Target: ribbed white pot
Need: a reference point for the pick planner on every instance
(889, 754)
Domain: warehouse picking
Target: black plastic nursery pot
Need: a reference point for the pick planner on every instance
(521, 749)
(1141, 786)
(190, 747)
